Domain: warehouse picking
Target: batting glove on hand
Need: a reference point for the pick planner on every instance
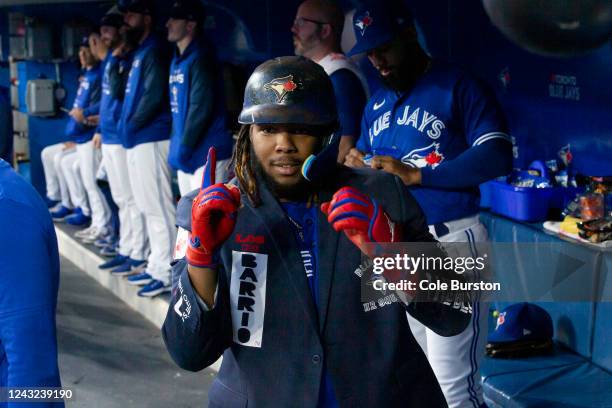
(213, 216)
(361, 218)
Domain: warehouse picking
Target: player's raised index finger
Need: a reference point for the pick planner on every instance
(208, 178)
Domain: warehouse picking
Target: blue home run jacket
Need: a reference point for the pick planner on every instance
(197, 104)
(29, 276)
(144, 115)
(275, 343)
(88, 99)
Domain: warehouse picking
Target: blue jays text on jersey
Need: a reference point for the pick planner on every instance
(199, 117)
(87, 94)
(443, 115)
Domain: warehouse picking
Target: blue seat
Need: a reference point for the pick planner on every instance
(563, 379)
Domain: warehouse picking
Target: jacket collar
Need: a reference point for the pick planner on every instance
(193, 46)
(278, 226)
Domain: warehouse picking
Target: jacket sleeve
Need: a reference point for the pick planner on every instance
(94, 99)
(155, 91)
(201, 103)
(28, 293)
(431, 307)
(118, 76)
(195, 337)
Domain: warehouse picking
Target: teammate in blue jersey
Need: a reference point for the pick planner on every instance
(199, 117)
(443, 133)
(132, 245)
(317, 31)
(81, 129)
(29, 272)
(144, 128)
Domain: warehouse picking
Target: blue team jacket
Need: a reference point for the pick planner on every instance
(144, 115)
(110, 106)
(198, 110)
(87, 98)
(275, 343)
(29, 276)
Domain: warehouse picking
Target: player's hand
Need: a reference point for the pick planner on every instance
(97, 140)
(361, 218)
(354, 158)
(213, 216)
(92, 120)
(68, 145)
(77, 115)
(409, 175)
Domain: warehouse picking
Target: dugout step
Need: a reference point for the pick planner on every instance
(87, 259)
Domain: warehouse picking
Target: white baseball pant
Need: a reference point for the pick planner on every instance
(150, 179)
(89, 161)
(69, 164)
(133, 239)
(456, 360)
(54, 178)
(188, 182)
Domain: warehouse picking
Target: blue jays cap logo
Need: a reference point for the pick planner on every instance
(501, 319)
(364, 22)
(281, 87)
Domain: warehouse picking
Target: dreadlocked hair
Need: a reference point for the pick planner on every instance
(241, 161)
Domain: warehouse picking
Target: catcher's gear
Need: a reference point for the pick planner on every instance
(213, 217)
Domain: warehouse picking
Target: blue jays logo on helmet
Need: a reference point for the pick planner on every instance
(281, 87)
(364, 22)
(425, 156)
(501, 319)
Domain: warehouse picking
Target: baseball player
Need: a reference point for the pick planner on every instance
(268, 277)
(196, 99)
(133, 246)
(56, 187)
(28, 293)
(80, 127)
(144, 126)
(443, 134)
(317, 31)
(6, 129)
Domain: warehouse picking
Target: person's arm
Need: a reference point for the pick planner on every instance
(118, 75)
(476, 165)
(93, 108)
(201, 104)
(196, 334)
(30, 274)
(350, 101)
(427, 306)
(354, 157)
(154, 76)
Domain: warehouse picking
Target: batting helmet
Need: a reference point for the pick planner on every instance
(289, 90)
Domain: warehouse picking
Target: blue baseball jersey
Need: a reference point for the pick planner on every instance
(87, 94)
(443, 115)
(199, 116)
(110, 107)
(29, 272)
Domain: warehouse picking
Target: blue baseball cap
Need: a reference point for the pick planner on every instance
(376, 24)
(522, 321)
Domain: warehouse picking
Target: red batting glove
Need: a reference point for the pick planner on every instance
(361, 218)
(213, 217)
